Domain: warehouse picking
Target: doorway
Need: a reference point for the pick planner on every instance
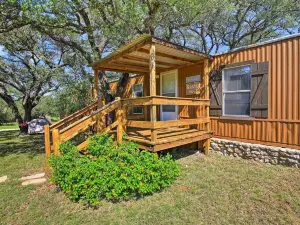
(169, 88)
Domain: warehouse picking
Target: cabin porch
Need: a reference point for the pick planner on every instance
(150, 57)
(162, 124)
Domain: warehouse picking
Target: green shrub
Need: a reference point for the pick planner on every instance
(111, 171)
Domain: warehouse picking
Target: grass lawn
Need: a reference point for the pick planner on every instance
(210, 190)
(6, 126)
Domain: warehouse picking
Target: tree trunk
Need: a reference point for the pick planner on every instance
(106, 92)
(27, 114)
(27, 106)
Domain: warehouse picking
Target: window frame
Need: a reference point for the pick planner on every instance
(240, 91)
(134, 96)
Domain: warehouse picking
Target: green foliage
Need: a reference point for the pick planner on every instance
(31, 65)
(5, 113)
(111, 171)
(73, 97)
(46, 106)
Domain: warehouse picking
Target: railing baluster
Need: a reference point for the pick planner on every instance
(56, 141)
(153, 135)
(120, 122)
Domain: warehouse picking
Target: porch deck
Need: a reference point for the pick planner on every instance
(166, 137)
(149, 135)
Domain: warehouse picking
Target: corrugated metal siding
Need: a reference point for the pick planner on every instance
(278, 133)
(283, 123)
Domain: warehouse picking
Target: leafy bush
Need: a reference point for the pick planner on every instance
(111, 171)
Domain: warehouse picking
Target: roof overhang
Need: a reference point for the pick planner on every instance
(134, 56)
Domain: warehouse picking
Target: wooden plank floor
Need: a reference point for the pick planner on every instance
(166, 137)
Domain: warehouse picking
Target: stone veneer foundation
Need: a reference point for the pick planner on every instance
(257, 152)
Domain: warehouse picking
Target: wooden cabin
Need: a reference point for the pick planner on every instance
(269, 115)
(165, 105)
(180, 96)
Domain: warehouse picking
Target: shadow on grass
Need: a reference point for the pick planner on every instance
(178, 153)
(12, 143)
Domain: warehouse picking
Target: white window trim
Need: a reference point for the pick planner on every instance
(133, 96)
(241, 91)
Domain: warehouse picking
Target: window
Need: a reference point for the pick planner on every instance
(237, 91)
(137, 91)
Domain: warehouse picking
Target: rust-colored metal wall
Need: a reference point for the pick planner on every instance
(282, 127)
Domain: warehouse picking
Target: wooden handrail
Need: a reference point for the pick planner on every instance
(139, 124)
(163, 100)
(72, 130)
(74, 116)
(81, 124)
(164, 124)
(176, 123)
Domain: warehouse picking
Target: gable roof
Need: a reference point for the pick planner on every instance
(134, 56)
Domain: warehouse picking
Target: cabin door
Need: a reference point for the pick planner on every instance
(169, 87)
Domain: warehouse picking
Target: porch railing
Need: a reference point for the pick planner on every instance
(69, 127)
(64, 130)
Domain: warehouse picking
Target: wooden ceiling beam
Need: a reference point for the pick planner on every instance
(180, 66)
(136, 64)
(147, 60)
(122, 71)
(122, 63)
(124, 68)
(166, 56)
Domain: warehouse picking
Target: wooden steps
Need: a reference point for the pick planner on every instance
(166, 138)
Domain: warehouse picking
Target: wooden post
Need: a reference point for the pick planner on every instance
(120, 122)
(96, 85)
(152, 71)
(206, 86)
(47, 140)
(206, 146)
(56, 141)
(100, 124)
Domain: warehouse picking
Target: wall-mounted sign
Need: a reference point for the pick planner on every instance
(196, 78)
(193, 88)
